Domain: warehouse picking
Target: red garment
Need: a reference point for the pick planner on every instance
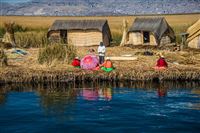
(76, 62)
(161, 63)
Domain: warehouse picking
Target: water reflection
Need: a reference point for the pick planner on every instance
(56, 99)
(91, 94)
(105, 106)
(3, 96)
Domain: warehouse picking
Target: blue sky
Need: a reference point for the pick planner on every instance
(14, 1)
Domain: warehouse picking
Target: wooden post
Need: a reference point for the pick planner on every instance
(183, 40)
(125, 30)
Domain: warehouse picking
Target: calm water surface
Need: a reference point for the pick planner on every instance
(143, 108)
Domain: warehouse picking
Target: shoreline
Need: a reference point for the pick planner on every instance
(48, 76)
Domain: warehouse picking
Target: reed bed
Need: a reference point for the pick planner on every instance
(58, 52)
(51, 53)
(31, 39)
(21, 76)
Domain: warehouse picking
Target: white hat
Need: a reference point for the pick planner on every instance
(77, 57)
(161, 55)
(107, 58)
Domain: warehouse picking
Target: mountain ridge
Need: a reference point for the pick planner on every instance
(99, 7)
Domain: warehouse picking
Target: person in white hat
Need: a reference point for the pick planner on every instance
(101, 51)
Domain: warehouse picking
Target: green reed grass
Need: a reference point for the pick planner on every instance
(179, 29)
(57, 52)
(31, 39)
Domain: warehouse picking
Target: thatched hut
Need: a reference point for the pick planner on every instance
(80, 32)
(193, 38)
(150, 31)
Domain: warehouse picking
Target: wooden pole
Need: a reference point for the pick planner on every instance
(125, 30)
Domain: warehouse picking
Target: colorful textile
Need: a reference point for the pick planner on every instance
(89, 62)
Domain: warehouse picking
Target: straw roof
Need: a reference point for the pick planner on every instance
(193, 30)
(78, 25)
(157, 25)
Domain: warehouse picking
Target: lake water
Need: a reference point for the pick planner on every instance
(100, 107)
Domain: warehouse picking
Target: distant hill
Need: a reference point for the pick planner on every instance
(99, 7)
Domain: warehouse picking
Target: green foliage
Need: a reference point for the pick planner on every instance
(20, 28)
(56, 52)
(31, 39)
(71, 52)
(178, 30)
(2, 32)
(116, 38)
(52, 52)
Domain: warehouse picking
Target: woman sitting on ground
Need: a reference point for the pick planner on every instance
(107, 65)
(76, 62)
(161, 63)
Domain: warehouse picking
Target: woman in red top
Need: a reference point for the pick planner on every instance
(76, 62)
(161, 63)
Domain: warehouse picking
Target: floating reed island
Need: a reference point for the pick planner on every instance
(48, 60)
(183, 65)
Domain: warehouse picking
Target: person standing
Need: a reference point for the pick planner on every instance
(101, 51)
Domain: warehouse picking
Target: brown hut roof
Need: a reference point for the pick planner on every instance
(193, 30)
(78, 25)
(157, 25)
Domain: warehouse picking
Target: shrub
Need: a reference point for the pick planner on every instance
(31, 39)
(116, 36)
(178, 30)
(2, 32)
(71, 52)
(56, 52)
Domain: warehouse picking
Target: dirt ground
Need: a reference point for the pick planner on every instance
(177, 60)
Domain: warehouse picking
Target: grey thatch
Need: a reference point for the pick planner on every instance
(83, 25)
(157, 25)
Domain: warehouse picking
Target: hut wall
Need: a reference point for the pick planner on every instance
(165, 40)
(84, 38)
(135, 38)
(152, 40)
(55, 36)
(195, 43)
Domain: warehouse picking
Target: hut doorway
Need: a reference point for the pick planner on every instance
(146, 38)
(63, 36)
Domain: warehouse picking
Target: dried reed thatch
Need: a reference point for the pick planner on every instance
(9, 37)
(194, 35)
(81, 32)
(3, 58)
(156, 26)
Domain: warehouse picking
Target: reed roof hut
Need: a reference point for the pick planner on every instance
(193, 38)
(80, 32)
(150, 31)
